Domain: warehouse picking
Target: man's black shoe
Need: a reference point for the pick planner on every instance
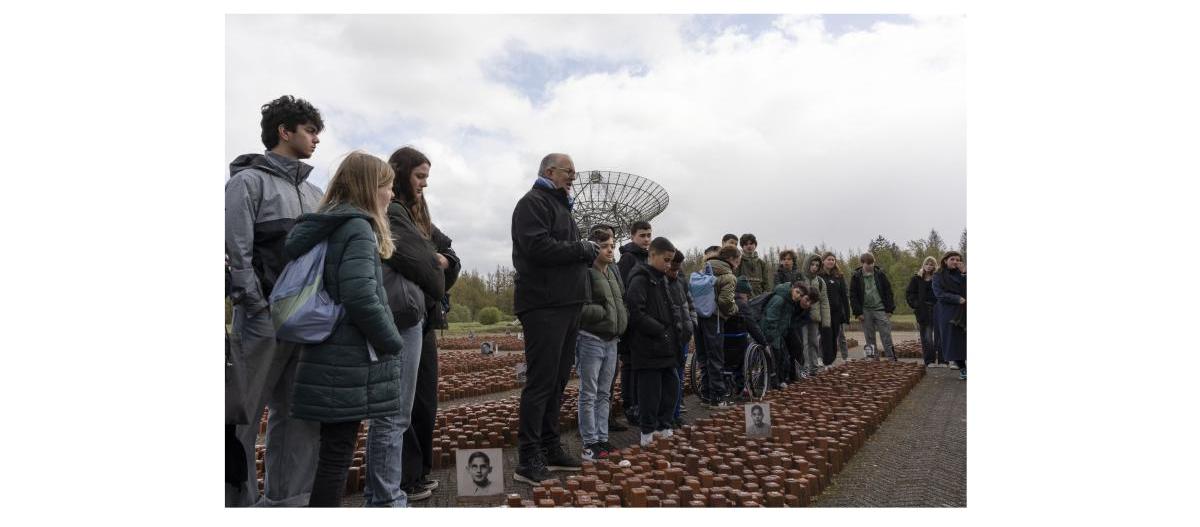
(557, 459)
(534, 473)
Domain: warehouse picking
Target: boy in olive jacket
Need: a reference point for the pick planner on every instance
(602, 321)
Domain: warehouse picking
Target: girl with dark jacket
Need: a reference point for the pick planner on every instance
(839, 307)
(356, 373)
(430, 263)
(950, 312)
(919, 295)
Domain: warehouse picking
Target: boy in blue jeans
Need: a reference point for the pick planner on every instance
(601, 323)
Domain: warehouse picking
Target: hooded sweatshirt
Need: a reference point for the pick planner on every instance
(337, 380)
(818, 312)
(263, 197)
(755, 270)
(631, 255)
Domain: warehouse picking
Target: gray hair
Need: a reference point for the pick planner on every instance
(548, 162)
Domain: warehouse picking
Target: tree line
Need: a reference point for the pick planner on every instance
(474, 291)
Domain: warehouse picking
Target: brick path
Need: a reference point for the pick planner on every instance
(917, 458)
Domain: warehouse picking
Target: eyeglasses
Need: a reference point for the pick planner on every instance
(570, 172)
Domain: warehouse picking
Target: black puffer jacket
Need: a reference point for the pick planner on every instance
(550, 259)
(654, 328)
(336, 380)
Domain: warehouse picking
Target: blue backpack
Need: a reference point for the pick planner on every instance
(703, 287)
(301, 309)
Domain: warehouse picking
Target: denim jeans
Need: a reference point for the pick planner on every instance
(596, 361)
(841, 341)
(385, 437)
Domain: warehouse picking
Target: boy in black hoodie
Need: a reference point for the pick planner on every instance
(632, 253)
(653, 337)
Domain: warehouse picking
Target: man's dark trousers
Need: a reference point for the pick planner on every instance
(550, 335)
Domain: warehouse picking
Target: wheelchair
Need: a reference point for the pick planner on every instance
(747, 370)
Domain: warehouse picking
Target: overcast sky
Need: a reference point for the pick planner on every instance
(800, 129)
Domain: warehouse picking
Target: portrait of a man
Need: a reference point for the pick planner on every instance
(758, 420)
(480, 472)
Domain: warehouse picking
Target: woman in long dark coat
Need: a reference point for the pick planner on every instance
(950, 289)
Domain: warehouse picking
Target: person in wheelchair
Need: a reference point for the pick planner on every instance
(740, 330)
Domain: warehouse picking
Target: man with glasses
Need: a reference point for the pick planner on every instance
(551, 264)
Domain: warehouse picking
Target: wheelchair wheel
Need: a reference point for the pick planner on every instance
(757, 371)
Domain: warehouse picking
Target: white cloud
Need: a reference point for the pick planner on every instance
(795, 134)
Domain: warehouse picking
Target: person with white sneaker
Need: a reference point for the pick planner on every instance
(601, 324)
(653, 336)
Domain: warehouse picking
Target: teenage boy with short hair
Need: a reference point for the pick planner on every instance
(753, 267)
(632, 253)
(729, 240)
(872, 303)
(601, 324)
(654, 333)
(263, 197)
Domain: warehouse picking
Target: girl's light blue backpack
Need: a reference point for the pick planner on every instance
(703, 287)
(300, 307)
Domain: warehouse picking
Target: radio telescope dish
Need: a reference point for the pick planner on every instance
(605, 197)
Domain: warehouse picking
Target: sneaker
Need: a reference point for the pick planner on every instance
(557, 459)
(724, 403)
(615, 426)
(593, 452)
(418, 493)
(534, 473)
(646, 439)
(610, 449)
(783, 386)
(430, 484)
(962, 375)
(666, 433)
(954, 366)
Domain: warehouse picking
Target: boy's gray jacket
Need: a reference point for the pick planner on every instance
(263, 197)
(606, 315)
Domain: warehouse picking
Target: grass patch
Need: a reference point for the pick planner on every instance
(458, 329)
